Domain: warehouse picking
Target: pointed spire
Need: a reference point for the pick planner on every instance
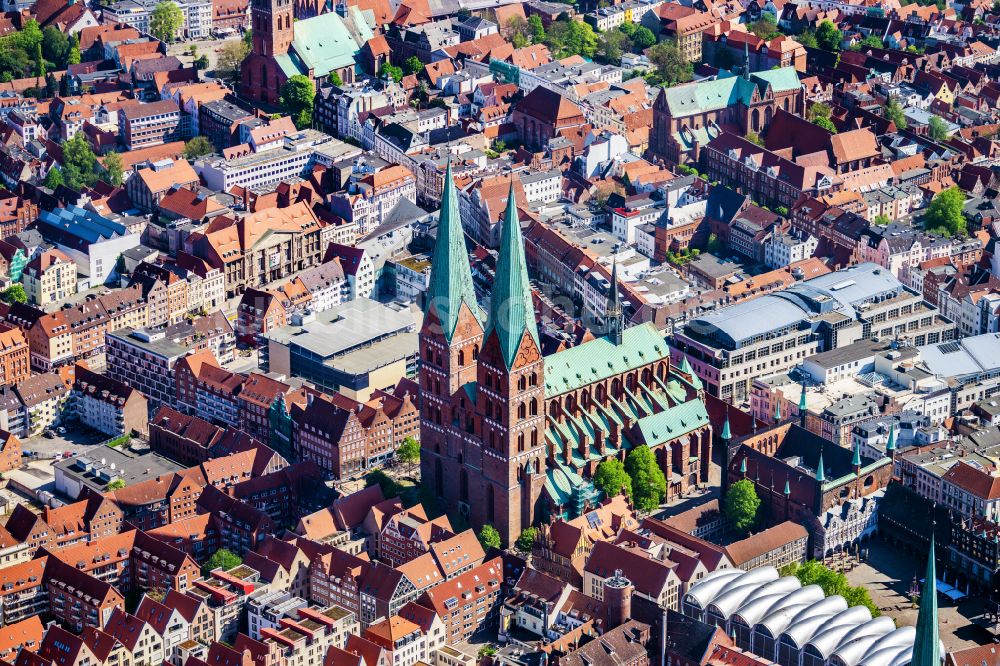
(820, 474)
(743, 466)
(512, 313)
(727, 433)
(777, 409)
(802, 399)
(451, 276)
(613, 311)
(927, 643)
(746, 60)
(890, 445)
(788, 487)
(856, 460)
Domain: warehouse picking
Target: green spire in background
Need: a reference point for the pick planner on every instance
(451, 276)
(512, 313)
(820, 474)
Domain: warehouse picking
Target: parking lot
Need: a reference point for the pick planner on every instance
(76, 439)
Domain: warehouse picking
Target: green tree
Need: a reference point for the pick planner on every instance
(488, 650)
(53, 178)
(526, 539)
(74, 53)
(201, 62)
(871, 41)
(643, 38)
(197, 147)
(818, 110)
(79, 162)
(51, 85)
(14, 294)
(937, 128)
(536, 28)
(828, 37)
(221, 559)
(807, 38)
(517, 31)
(612, 44)
(335, 79)
(649, 486)
(741, 505)
(64, 85)
(831, 582)
(414, 65)
(766, 27)
(166, 21)
(29, 36)
(117, 484)
(894, 112)
(611, 478)
(393, 72)
(826, 124)
(881, 220)
(377, 477)
(39, 60)
(114, 168)
(671, 66)
(408, 452)
(489, 537)
(945, 213)
(230, 60)
(297, 99)
(55, 46)
(753, 137)
(572, 37)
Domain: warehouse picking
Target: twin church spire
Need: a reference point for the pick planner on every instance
(512, 313)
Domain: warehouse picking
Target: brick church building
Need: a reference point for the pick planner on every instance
(687, 117)
(286, 44)
(512, 437)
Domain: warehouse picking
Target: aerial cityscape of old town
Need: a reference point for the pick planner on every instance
(499, 332)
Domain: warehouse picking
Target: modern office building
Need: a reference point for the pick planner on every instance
(731, 346)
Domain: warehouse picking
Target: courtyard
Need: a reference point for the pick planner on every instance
(888, 575)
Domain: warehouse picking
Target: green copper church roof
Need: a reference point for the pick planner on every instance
(673, 422)
(727, 90)
(927, 643)
(512, 312)
(324, 43)
(599, 359)
(451, 277)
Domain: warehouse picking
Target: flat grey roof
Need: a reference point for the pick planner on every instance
(345, 327)
(97, 466)
(969, 356)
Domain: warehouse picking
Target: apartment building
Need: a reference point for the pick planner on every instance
(108, 405)
(369, 199)
(197, 23)
(145, 359)
(206, 390)
(468, 603)
(23, 592)
(345, 437)
(15, 356)
(77, 599)
(49, 278)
